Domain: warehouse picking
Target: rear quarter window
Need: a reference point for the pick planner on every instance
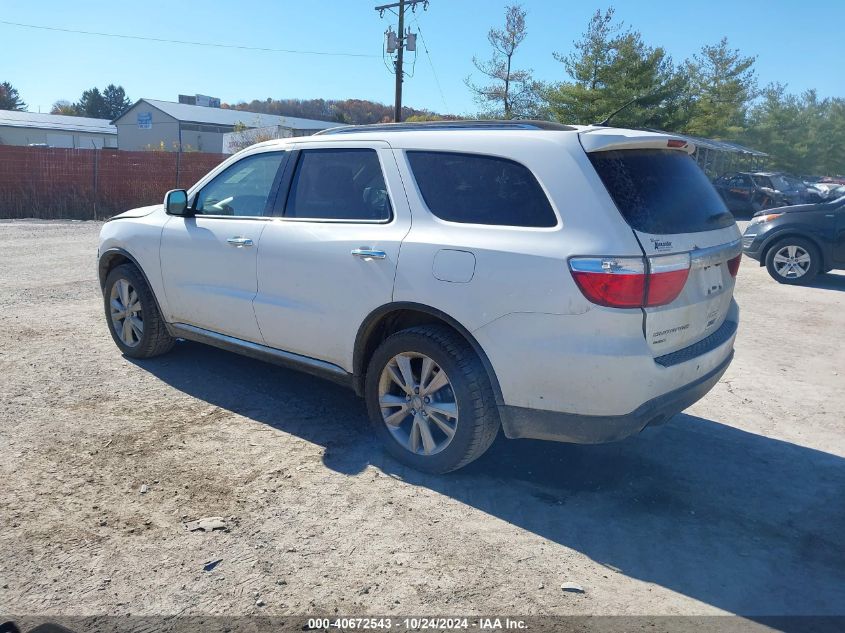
(478, 189)
(661, 191)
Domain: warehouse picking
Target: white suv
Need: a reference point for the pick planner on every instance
(564, 283)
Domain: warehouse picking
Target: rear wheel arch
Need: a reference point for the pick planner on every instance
(393, 317)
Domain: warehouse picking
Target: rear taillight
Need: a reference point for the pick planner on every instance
(630, 282)
(668, 276)
(733, 265)
(616, 282)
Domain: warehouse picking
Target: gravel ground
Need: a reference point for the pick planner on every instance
(736, 506)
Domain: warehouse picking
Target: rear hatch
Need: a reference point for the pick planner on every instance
(678, 217)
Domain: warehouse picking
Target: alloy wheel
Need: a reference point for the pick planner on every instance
(792, 262)
(418, 404)
(126, 314)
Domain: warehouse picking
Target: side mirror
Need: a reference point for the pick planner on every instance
(176, 202)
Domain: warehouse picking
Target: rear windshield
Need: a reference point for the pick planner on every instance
(661, 191)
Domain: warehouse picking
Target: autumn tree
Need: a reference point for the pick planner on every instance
(430, 116)
(506, 91)
(63, 106)
(342, 111)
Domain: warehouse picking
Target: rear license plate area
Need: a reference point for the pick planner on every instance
(711, 280)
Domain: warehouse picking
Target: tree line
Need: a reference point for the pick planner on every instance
(343, 111)
(715, 94)
(108, 104)
(112, 101)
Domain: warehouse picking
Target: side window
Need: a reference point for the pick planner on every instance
(477, 189)
(243, 188)
(338, 184)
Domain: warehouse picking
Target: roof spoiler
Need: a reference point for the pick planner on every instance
(602, 139)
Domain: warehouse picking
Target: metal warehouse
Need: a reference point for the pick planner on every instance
(164, 125)
(55, 130)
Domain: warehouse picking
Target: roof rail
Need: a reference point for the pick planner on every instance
(517, 124)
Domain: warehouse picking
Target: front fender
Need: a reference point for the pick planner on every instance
(135, 240)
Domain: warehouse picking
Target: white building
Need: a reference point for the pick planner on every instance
(235, 141)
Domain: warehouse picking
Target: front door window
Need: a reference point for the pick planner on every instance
(243, 189)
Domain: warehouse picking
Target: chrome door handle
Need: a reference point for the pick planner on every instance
(367, 253)
(240, 242)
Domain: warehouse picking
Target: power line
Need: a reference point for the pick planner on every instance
(431, 63)
(184, 42)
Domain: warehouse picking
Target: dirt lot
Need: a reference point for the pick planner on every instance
(736, 506)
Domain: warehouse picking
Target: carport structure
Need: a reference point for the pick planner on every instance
(721, 157)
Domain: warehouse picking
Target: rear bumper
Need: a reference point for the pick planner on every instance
(597, 364)
(520, 422)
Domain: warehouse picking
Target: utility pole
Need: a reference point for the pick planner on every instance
(401, 40)
(397, 102)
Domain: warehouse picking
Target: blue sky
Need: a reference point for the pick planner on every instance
(796, 43)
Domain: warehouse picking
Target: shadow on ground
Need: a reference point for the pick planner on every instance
(829, 281)
(739, 521)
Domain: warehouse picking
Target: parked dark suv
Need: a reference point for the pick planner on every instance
(798, 242)
(747, 192)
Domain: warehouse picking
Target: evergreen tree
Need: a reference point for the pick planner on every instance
(91, 104)
(109, 104)
(775, 128)
(802, 134)
(9, 98)
(608, 68)
(116, 101)
(722, 83)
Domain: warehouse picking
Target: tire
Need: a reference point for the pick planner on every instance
(805, 264)
(467, 392)
(152, 338)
